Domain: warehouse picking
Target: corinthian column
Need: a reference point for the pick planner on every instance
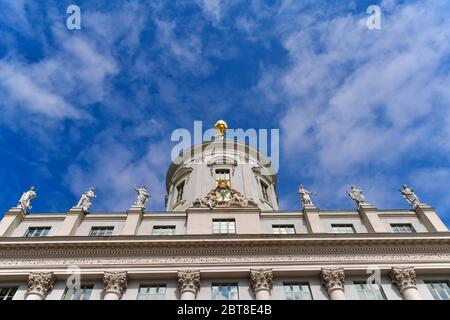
(333, 280)
(39, 285)
(261, 282)
(115, 284)
(405, 279)
(188, 284)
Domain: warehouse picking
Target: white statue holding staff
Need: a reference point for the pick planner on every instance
(305, 195)
(410, 196)
(357, 195)
(85, 201)
(25, 200)
(142, 196)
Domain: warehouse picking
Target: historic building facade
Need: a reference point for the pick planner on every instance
(223, 236)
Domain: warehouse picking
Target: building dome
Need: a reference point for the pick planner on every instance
(196, 173)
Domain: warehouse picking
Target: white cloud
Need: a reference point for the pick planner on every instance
(21, 91)
(355, 93)
(186, 50)
(114, 167)
(362, 101)
(57, 87)
(431, 184)
(356, 99)
(212, 8)
(14, 14)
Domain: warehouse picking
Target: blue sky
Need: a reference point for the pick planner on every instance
(97, 105)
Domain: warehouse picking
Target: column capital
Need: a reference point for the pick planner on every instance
(312, 219)
(189, 280)
(11, 220)
(403, 277)
(134, 218)
(40, 283)
(261, 279)
(369, 215)
(333, 278)
(430, 218)
(115, 282)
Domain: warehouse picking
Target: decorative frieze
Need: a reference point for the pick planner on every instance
(265, 258)
(40, 283)
(189, 280)
(403, 277)
(331, 247)
(333, 278)
(115, 282)
(261, 279)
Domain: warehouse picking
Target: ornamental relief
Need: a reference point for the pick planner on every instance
(40, 283)
(219, 250)
(115, 282)
(333, 278)
(189, 280)
(261, 279)
(403, 277)
(245, 260)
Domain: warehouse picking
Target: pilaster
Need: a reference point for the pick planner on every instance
(429, 218)
(10, 221)
(134, 218)
(72, 221)
(369, 214)
(312, 219)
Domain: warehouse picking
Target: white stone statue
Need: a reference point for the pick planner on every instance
(25, 199)
(357, 195)
(305, 195)
(85, 201)
(142, 196)
(410, 196)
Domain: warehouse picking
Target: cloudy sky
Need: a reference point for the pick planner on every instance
(98, 105)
